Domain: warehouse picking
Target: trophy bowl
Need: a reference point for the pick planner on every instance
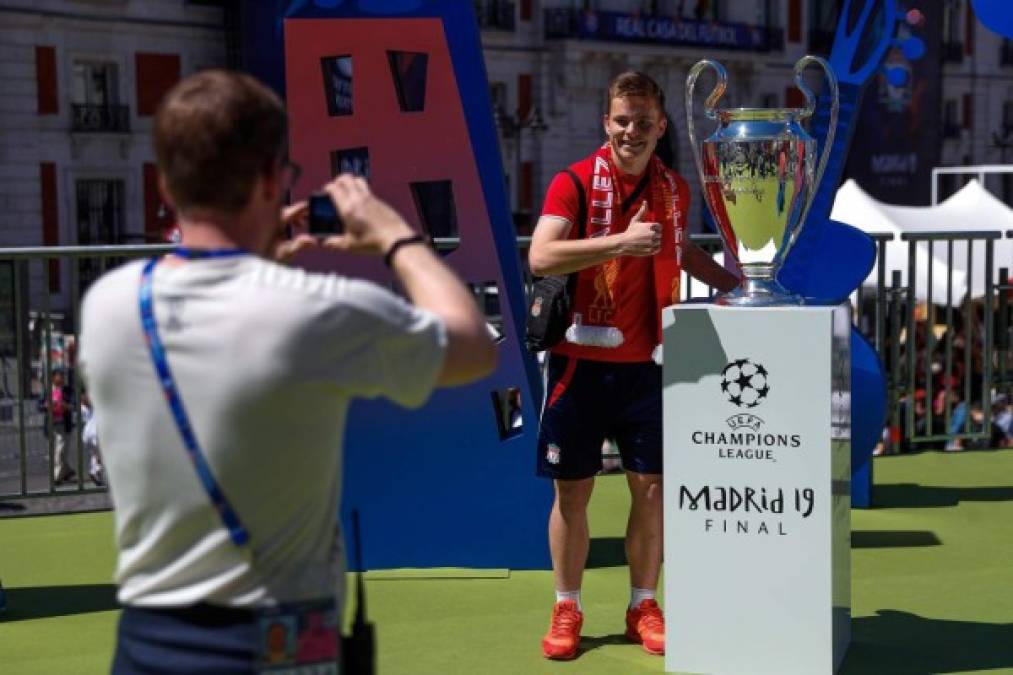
(758, 174)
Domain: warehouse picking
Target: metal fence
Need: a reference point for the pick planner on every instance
(947, 374)
(944, 331)
(37, 338)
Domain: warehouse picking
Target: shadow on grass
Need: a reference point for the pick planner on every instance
(41, 602)
(893, 538)
(923, 449)
(606, 552)
(900, 643)
(611, 551)
(589, 642)
(912, 495)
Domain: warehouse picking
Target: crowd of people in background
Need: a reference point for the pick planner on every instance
(953, 406)
(68, 417)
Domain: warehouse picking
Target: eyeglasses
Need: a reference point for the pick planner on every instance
(292, 173)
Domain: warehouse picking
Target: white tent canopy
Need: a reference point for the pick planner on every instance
(854, 206)
(971, 209)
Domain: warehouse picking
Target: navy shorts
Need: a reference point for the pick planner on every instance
(589, 401)
(202, 639)
(213, 640)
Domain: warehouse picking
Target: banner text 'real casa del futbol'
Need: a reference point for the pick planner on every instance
(619, 27)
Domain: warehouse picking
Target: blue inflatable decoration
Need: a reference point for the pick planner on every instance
(913, 48)
(378, 87)
(996, 15)
(898, 77)
(831, 259)
(868, 396)
(813, 268)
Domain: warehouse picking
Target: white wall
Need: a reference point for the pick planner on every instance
(110, 31)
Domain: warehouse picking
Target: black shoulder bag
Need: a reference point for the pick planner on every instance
(552, 296)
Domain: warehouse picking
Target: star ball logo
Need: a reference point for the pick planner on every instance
(745, 383)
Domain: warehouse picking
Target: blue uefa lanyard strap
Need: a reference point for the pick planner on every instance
(237, 532)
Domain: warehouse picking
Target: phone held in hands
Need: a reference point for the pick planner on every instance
(323, 217)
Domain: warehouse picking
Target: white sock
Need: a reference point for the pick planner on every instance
(638, 595)
(570, 595)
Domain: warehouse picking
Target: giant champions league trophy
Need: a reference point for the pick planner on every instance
(757, 420)
(757, 175)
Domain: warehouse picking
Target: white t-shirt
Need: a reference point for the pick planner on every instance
(266, 359)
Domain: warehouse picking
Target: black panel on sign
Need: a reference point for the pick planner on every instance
(487, 298)
(506, 404)
(351, 160)
(409, 72)
(338, 84)
(434, 202)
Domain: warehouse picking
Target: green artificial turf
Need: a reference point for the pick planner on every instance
(932, 581)
(61, 604)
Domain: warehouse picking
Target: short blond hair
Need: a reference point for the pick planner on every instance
(634, 83)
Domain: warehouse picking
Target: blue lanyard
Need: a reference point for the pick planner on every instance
(237, 532)
(200, 253)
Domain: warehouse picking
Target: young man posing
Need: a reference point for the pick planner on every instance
(604, 379)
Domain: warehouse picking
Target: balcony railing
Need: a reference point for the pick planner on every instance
(568, 23)
(494, 15)
(953, 52)
(100, 118)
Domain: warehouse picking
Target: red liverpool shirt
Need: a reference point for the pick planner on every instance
(630, 303)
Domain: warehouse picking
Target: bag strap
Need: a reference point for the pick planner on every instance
(637, 191)
(582, 201)
(571, 278)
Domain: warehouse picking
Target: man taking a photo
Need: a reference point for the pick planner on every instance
(222, 381)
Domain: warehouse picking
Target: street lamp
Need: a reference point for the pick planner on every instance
(512, 127)
(513, 124)
(1002, 144)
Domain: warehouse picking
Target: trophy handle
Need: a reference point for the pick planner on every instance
(719, 90)
(810, 108)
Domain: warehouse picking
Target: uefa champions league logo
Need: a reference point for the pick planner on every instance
(745, 383)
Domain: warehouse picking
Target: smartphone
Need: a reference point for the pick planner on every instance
(324, 218)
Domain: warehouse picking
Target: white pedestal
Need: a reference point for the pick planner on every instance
(757, 489)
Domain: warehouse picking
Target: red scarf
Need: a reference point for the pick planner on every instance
(668, 200)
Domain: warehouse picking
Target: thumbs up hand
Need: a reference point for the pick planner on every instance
(641, 238)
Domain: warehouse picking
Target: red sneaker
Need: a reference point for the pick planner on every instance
(646, 624)
(563, 638)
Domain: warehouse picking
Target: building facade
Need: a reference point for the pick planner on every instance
(549, 67)
(548, 62)
(83, 78)
(82, 82)
(977, 113)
